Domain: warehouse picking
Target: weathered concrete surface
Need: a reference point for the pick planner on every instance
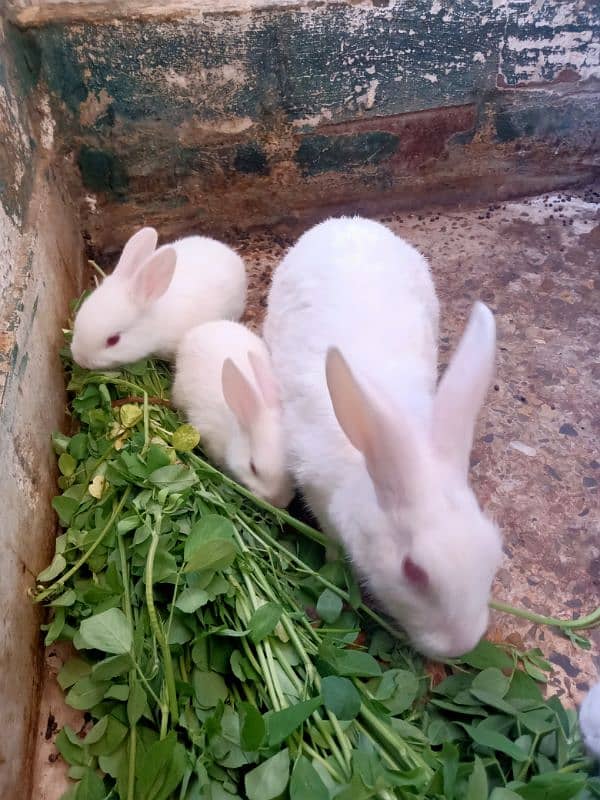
(40, 268)
(206, 116)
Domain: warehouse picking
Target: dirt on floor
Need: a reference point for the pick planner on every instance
(535, 460)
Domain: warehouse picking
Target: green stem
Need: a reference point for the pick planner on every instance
(393, 741)
(131, 679)
(146, 425)
(156, 626)
(589, 621)
(60, 582)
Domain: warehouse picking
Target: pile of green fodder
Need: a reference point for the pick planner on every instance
(220, 656)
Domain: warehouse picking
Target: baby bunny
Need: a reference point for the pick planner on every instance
(225, 386)
(382, 457)
(589, 721)
(154, 296)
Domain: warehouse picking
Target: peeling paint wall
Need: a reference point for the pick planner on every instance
(217, 115)
(40, 265)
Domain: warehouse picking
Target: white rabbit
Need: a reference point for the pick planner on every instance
(381, 457)
(225, 386)
(589, 720)
(154, 296)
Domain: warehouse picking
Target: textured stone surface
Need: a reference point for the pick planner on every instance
(206, 115)
(40, 269)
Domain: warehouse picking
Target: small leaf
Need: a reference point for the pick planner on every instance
(56, 567)
(67, 464)
(136, 703)
(216, 554)
(112, 667)
(90, 787)
(209, 688)
(477, 788)
(65, 507)
(492, 681)
(185, 438)
(109, 631)
(270, 778)
(72, 671)
(66, 599)
(86, 694)
(281, 724)
(190, 600)
(487, 655)
(264, 620)
(495, 741)
(306, 783)
(211, 526)
(97, 732)
(329, 606)
(130, 415)
(340, 697)
(174, 478)
(252, 727)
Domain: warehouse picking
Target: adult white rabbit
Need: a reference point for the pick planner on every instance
(225, 386)
(153, 297)
(381, 456)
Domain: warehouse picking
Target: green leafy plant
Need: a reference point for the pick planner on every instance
(204, 675)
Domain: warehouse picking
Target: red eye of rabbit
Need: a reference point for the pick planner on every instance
(113, 340)
(415, 574)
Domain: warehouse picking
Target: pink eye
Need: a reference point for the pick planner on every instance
(415, 574)
(113, 340)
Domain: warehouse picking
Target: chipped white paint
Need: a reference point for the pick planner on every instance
(577, 49)
(436, 7)
(47, 123)
(429, 76)
(367, 100)
(479, 57)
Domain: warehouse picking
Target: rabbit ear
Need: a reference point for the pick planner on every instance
(463, 387)
(139, 247)
(239, 395)
(265, 380)
(388, 449)
(154, 276)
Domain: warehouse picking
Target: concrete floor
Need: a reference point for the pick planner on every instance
(535, 461)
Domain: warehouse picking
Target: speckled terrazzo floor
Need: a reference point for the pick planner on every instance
(536, 459)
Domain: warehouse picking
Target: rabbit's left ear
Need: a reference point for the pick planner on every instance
(389, 447)
(154, 277)
(462, 390)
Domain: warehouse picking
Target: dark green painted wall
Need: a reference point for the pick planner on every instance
(172, 112)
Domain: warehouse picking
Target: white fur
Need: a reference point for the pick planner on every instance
(150, 310)
(225, 386)
(393, 484)
(589, 720)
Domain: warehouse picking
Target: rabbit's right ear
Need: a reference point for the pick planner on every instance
(239, 395)
(462, 389)
(265, 379)
(154, 277)
(389, 449)
(139, 247)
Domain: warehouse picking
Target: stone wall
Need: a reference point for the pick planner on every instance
(40, 269)
(219, 116)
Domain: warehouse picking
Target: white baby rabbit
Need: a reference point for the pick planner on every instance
(154, 296)
(225, 386)
(381, 456)
(589, 720)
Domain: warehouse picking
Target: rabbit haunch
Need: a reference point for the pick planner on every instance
(153, 297)
(225, 386)
(381, 455)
